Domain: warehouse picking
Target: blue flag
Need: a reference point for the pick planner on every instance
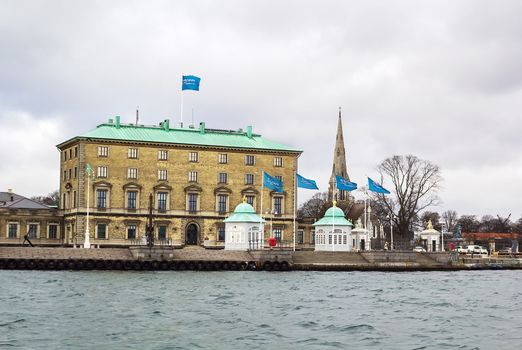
(306, 183)
(190, 82)
(344, 185)
(272, 183)
(375, 187)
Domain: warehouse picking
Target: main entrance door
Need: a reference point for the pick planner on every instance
(192, 234)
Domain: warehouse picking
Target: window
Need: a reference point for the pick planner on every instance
(70, 153)
(70, 174)
(330, 239)
(75, 172)
(249, 179)
(64, 175)
(74, 199)
(76, 152)
(101, 201)
(64, 201)
(250, 160)
(102, 171)
(162, 201)
(279, 177)
(162, 233)
(52, 231)
(250, 199)
(162, 174)
(221, 233)
(222, 178)
(278, 161)
(193, 202)
(278, 205)
(12, 230)
(131, 199)
(344, 239)
(132, 173)
(131, 232)
(103, 151)
(101, 231)
(132, 153)
(312, 237)
(223, 158)
(222, 203)
(300, 236)
(193, 157)
(278, 234)
(163, 154)
(193, 176)
(65, 155)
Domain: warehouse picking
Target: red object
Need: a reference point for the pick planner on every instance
(452, 246)
(272, 242)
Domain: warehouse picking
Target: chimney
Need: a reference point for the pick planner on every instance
(249, 131)
(202, 127)
(117, 122)
(165, 124)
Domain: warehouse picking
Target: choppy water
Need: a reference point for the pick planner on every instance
(260, 310)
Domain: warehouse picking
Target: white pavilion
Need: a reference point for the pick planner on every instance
(244, 229)
(333, 232)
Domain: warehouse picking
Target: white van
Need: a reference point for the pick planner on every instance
(476, 249)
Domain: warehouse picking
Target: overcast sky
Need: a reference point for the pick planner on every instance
(438, 79)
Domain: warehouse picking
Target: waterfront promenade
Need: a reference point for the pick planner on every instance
(198, 258)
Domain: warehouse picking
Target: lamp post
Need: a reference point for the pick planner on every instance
(391, 230)
(442, 237)
(90, 172)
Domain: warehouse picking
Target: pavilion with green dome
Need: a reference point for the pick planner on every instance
(333, 232)
(244, 229)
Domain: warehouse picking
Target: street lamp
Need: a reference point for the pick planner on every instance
(391, 230)
(442, 236)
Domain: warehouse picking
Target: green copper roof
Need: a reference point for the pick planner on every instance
(333, 216)
(244, 212)
(187, 136)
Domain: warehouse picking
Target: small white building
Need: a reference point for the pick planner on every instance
(333, 232)
(360, 237)
(430, 238)
(244, 229)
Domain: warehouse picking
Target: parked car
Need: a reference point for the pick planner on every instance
(419, 249)
(505, 251)
(476, 249)
(461, 249)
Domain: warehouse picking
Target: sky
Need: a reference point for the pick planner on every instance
(441, 80)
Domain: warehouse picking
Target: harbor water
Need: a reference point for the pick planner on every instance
(260, 310)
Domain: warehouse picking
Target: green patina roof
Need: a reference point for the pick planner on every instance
(244, 212)
(333, 216)
(187, 136)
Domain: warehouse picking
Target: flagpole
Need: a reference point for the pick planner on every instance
(181, 114)
(86, 242)
(261, 210)
(295, 201)
(333, 225)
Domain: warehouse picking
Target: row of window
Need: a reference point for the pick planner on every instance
(33, 230)
(193, 157)
(68, 154)
(192, 201)
(132, 174)
(102, 232)
(68, 174)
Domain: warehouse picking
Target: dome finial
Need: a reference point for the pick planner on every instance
(244, 199)
(334, 203)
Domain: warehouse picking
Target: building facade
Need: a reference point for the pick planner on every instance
(196, 177)
(22, 217)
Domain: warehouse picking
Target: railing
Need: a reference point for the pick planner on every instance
(142, 240)
(257, 245)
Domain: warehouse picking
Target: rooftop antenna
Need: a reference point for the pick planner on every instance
(137, 114)
(192, 117)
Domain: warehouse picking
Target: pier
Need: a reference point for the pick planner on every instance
(198, 258)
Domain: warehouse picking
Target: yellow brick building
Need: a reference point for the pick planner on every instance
(196, 177)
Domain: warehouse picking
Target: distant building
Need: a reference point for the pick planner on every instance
(20, 216)
(339, 166)
(196, 177)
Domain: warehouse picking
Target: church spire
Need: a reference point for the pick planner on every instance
(339, 162)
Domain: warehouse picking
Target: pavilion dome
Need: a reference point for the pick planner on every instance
(244, 212)
(244, 208)
(333, 216)
(334, 212)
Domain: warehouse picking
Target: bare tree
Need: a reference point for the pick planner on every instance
(450, 217)
(415, 183)
(468, 223)
(313, 207)
(52, 199)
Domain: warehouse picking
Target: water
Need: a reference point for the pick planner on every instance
(260, 310)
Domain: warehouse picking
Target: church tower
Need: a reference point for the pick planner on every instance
(339, 164)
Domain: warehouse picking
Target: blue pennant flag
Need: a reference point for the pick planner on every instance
(375, 187)
(190, 82)
(306, 183)
(344, 185)
(272, 183)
